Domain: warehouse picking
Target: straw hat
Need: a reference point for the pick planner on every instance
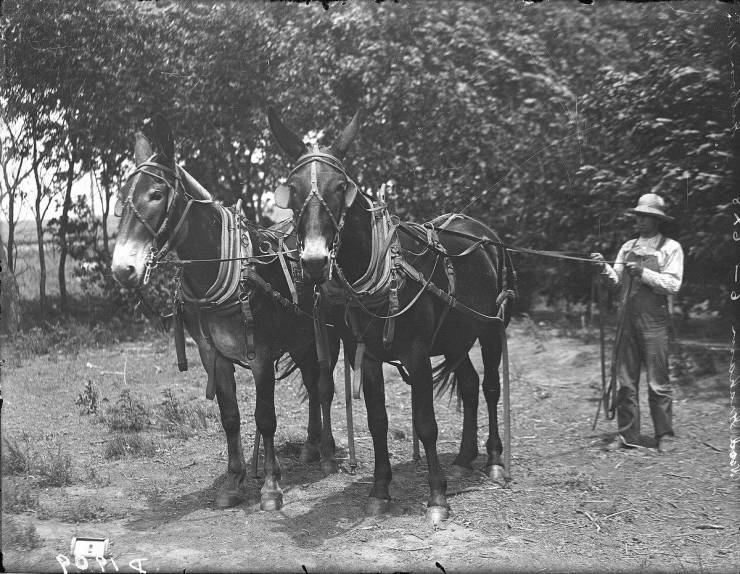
(651, 204)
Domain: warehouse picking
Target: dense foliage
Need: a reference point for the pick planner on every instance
(546, 121)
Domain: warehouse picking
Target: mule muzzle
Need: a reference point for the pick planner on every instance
(315, 269)
(126, 275)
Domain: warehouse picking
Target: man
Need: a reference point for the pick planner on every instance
(648, 270)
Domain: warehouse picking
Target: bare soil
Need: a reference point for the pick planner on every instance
(572, 505)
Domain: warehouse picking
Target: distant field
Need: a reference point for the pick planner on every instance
(27, 261)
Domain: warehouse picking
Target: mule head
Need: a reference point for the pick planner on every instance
(146, 202)
(319, 192)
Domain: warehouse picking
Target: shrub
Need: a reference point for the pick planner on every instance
(88, 399)
(55, 469)
(128, 414)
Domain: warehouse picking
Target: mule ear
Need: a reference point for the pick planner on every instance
(340, 147)
(162, 137)
(142, 148)
(290, 143)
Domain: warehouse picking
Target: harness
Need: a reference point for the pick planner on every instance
(157, 254)
(237, 279)
(388, 269)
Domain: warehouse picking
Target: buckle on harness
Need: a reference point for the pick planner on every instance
(150, 264)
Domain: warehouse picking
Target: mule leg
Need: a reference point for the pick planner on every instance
(373, 387)
(230, 494)
(422, 397)
(264, 416)
(468, 384)
(491, 352)
(326, 396)
(310, 376)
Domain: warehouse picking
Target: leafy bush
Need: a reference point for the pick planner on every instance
(88, 399)
(128, 414)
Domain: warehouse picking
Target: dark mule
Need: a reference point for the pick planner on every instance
(335, 227)
(163, 208)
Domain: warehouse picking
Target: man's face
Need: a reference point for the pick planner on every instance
(646, 225)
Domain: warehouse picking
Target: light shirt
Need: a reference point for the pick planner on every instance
(670, 264)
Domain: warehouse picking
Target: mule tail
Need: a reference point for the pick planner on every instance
(444, 378)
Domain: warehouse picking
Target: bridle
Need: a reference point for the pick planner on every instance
(314, 158)
(174, 192)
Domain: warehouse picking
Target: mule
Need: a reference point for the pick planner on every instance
(334, 223)
(163, 208)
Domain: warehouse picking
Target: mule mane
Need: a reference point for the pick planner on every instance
(197, 191)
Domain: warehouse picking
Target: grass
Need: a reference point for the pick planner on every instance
(16, 459)
(182, 419)
(52, 468)
(129, 444)
(20, 496)
(55, 468)
(17, 535)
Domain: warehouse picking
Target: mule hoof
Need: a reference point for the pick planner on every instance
(329, 466)
(496, 474)
(271, 501)
(229, 498)
(458, 471)
(309, 453)
(437, 514)
(376, 506)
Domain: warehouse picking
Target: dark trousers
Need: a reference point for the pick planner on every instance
(644, 342)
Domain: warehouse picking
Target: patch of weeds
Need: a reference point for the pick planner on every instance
(55, 469)
(16, 458)
(84, 509)
(88, 399)
(19, 497)
(20, 535)
(180, 419)
(154, 495)
(92, 477)
(124, 444)
(128, 414)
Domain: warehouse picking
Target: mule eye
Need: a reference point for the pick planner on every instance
(156, 195)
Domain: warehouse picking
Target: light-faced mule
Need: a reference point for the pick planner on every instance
(241, 303)
(448, 281)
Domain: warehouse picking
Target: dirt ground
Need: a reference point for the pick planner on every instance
(572, 506)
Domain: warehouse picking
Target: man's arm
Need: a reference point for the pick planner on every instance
(668, 279)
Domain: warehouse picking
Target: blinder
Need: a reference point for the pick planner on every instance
(282, 196)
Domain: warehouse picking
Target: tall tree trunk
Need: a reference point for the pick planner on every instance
(63, 228)
(38, 216)
(10, 306)
(11, 231)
